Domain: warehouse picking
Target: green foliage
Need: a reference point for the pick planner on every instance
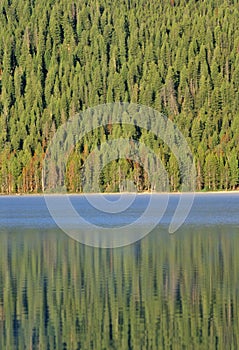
(60, 57)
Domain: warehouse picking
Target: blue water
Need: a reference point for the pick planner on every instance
(162, 292)
(207, 209)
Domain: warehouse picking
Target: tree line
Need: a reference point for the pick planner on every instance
(60, 57)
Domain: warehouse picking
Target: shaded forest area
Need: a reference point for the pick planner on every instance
(60, 57)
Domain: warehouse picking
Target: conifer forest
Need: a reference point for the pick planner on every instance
(180, 57)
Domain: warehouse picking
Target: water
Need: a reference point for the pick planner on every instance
(166, 291)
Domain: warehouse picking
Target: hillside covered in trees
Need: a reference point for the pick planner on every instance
(60, 57)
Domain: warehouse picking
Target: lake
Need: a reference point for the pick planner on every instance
(165, 291)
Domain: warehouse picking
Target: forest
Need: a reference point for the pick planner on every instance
(58, 58)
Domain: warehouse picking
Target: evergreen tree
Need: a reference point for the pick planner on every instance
(58, 58)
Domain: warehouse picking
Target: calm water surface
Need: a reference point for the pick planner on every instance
(166, 291)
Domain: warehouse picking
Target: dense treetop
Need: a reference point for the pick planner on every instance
(60, 57)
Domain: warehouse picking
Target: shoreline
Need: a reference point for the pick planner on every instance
(117, 193)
